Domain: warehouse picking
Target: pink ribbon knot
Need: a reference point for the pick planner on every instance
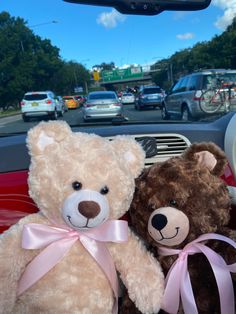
(56, 242)
(178, 283)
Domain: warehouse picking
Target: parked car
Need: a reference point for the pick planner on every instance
(127, 98)
(184, 97)
(71, 102)
(37, 104)
(149, 96)
(102, 104)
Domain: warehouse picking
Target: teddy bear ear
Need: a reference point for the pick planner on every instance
(130, 154)
(45, 134)
(207, 155)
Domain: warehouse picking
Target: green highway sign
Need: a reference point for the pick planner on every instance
(121, 74)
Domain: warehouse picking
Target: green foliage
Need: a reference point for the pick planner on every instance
(31, 63)
(220, 52)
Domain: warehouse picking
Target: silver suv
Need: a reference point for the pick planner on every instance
(37, 104)
(184, 97)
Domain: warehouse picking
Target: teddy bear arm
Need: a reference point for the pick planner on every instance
(141, 274)
(13, 260)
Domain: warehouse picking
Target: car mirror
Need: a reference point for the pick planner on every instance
(147, 7)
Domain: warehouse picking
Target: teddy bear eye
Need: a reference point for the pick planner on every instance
(76, 185)
(104, 190)
(173, 202)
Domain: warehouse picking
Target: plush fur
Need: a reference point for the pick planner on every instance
(77, 284)
(188, 193)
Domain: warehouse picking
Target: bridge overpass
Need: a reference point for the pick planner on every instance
(137, 75)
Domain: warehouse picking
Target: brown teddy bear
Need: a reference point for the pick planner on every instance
(181, 208)
(64, 259)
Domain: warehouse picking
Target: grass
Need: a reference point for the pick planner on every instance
(9, 112)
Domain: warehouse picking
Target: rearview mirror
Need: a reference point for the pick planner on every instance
(148, 7)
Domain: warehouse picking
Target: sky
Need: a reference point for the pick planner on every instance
(92, 35)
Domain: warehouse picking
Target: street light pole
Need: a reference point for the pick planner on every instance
(45, 23)
(36, 25)
(85, 82)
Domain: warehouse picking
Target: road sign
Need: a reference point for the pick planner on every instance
(78, 89)
(96, 75)
(122, 74)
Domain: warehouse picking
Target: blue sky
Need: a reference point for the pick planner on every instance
(92, 35)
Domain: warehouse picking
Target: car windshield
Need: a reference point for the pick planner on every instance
(178, 66)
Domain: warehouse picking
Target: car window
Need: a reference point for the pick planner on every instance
(175, 88)
(154, 90)
(35, 97)
(193, 82)
(183, 85)
(102, 96)
(127, 94)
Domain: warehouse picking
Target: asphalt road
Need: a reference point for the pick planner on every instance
(15, 124)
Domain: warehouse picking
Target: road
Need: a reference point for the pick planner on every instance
(15, 124)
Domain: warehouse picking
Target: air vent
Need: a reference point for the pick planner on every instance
(167, 144)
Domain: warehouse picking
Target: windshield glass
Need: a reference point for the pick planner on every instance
(179, 67)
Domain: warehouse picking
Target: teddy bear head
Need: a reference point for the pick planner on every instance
(80, 179)
(182, 198)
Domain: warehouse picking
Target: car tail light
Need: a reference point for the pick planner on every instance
(117, 104)
(197, 96)
(88, 105)
(22, 103)
(49, 102)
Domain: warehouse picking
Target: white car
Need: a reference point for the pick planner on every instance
(127, 98)
(39, 104)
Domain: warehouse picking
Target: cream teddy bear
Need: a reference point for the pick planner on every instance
(65, 258)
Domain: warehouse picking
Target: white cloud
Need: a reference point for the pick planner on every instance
(179, 15)
(185, 36)
(110, 19)
(229, 8)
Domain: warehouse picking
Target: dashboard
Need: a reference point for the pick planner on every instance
(170, 140)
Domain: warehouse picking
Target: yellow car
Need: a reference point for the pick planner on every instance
(71, 102)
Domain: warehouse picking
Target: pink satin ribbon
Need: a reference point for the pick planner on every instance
(57, 241)
(178, 283)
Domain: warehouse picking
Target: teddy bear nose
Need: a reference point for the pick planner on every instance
(159, 221)
(89, 209)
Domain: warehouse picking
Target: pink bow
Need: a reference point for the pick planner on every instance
(57, 241)
(178, 280)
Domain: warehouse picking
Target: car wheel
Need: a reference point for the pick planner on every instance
(61, 113)
(186, 115)
(164, 113)
(54, 116)
(25, 119)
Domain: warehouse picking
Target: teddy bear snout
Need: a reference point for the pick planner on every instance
(89, 209)
(168, 226)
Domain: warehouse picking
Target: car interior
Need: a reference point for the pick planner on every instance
(171, 137)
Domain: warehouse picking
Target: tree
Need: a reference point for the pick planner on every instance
(31, 63)
(105, 66)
